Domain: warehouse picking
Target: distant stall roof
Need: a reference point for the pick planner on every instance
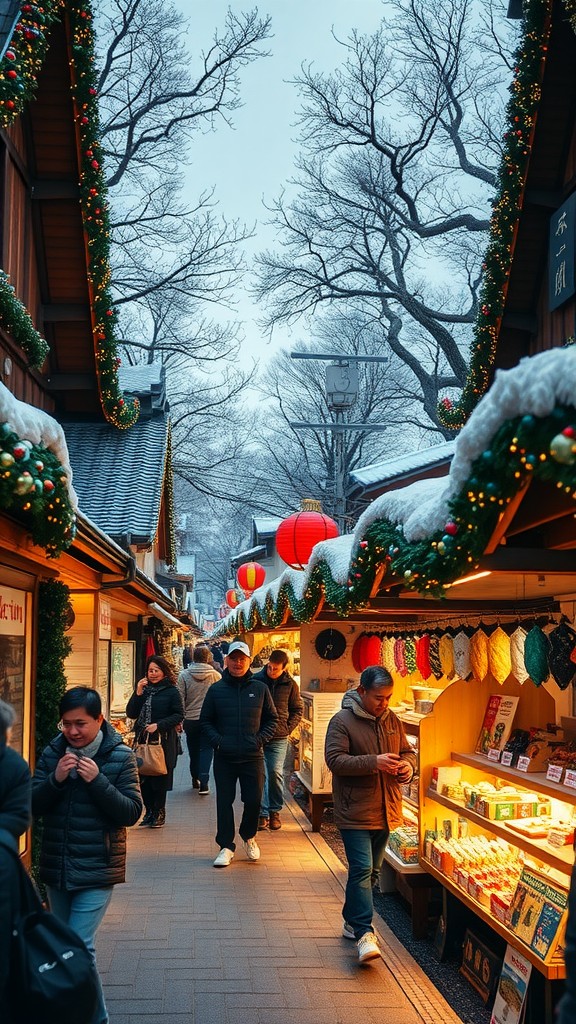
(266, 524)
(379, 473)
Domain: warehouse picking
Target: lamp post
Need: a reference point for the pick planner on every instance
(342, 388)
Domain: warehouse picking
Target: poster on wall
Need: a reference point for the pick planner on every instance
(12, 656)
(103, 676)
(122, 656)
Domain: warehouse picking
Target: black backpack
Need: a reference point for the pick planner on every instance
(52, 974)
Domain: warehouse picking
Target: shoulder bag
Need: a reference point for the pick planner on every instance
(150, 757)
(52, 973)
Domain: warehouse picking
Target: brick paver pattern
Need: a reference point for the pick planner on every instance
(254, 943)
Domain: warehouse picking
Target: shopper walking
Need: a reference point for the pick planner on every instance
(193, 684)
(238, 717)
(370, 758)
(285, 693)
(156, 705)
(86, 790)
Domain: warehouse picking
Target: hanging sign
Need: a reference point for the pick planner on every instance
(561, 253)
(105, 623)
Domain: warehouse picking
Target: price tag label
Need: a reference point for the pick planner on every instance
(523, 764)
(554, 772)
(570, 778)
(506, 758)
(493, 754)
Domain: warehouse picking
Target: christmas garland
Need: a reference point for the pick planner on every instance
(18, 80)
(17, 322)
(34, 485)
(522, 448)
(520, 120)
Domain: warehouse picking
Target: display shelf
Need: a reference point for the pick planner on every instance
(553, 970)
(562, 858)
(527, 780)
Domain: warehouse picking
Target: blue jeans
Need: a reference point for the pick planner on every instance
(273, 793)
(199, 750)
(83, 910)
(365, 853)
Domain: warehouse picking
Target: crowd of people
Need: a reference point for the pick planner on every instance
(88, 786)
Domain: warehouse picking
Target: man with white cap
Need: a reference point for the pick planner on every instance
(238, 716)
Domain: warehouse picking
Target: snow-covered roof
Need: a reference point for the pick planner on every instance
(244, 556)
(420, 510)
(266, 524)
(411, 462)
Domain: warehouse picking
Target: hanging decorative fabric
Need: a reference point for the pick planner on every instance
(536, 652)
(434, 656)
(399, 659)
(410, 654)
(479, 655)
(387, 654)
(517, 641)
(499, 656)
(562, 643)
(423, 656)
(446, 653)
(461, 646)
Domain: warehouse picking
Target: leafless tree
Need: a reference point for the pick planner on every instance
(388, 211)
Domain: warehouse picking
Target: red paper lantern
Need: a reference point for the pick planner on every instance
(250, 576)
(232, 599)
(297, 535)
(366, 651)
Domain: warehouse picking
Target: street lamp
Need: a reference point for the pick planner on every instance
(342, 388)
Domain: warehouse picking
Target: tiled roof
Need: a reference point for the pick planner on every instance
(383, 472)
(118, 474)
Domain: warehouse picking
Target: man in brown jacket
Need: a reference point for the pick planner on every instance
(370, 758)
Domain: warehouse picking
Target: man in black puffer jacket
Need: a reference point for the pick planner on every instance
(86, 790)
(238, 716)
(285, 693)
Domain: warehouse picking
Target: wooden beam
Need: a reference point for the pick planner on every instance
(65, 313)
(506, 519)
(70, 382)
(54, 190)
(529, 560)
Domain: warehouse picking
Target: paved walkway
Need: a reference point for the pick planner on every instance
(254, 943)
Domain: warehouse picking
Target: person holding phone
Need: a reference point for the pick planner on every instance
(370, 759)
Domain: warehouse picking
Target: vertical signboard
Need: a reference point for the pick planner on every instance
(13, 607)
(561, 284)
(121, 674)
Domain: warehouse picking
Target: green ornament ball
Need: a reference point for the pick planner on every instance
(562, 450)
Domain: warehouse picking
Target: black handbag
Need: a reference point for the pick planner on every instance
(52, 974)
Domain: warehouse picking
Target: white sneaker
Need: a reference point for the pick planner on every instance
(347, 930)
(252, 849)
(224, 858)
(368, 948)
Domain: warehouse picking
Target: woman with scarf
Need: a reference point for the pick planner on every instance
(156, 705)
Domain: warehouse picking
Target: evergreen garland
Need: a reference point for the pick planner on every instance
(53, 649)
(18, 80)
(522, 448)
(521, 110)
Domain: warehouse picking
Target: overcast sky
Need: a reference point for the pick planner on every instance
(253, 161)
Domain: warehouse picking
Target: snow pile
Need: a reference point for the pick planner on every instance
(34, 425)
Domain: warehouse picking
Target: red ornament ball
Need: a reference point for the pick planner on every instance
(299, 533)
(451, 528)
(569, 432)
(48, 485)
(10, 55)
(11, 74)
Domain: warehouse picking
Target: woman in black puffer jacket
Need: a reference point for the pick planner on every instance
(156, 705)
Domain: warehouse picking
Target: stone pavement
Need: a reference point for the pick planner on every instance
(254, 943)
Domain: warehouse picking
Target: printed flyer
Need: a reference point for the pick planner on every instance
(537, 911)
(512, 988)
(497, 724)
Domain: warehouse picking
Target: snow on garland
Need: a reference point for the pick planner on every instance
(35, 473)
(434, 531)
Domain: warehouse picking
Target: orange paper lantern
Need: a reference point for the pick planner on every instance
(232, 598)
